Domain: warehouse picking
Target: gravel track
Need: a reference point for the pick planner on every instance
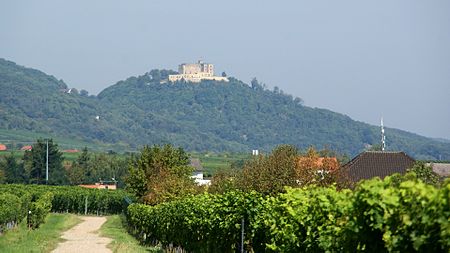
(83, 238)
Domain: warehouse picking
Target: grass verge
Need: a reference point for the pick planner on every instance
(43, 239)
(114, 228)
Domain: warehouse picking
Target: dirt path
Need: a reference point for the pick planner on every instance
(83, 238)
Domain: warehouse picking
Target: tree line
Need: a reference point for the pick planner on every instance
(87, 168)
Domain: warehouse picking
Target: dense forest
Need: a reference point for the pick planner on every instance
(214, 116)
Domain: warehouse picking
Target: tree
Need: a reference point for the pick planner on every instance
(374, 147)
(224, 74)
(270, 174)
(160, 173)
(13, 171)
(255, 84)
(224, 181)
(84, 93)
(2, 176)
(36, 160)
(75, 174)
(316, 168)
(80, 170)
(425, 173)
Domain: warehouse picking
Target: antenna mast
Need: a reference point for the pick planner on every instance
(383, 138)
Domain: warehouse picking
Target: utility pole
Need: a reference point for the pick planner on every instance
(383, 137)
(242, 235)
(46, 166)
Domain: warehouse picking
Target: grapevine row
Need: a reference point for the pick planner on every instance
(377, 216)
(71, 199)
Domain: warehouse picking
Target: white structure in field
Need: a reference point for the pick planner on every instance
(198, 178)
(196, 72)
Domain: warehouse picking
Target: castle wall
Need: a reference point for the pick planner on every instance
(196, 78)
(195, 72)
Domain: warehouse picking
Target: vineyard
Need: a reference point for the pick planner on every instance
(390, 215)
(16, 200)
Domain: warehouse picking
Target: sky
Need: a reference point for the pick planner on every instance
(365, 59)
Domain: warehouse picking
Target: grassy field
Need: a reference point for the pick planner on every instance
(44, 239)
(18, 138)
(122, 241)
(213, 162)
(19, 155)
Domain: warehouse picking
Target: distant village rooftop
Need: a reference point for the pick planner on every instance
(196, 72)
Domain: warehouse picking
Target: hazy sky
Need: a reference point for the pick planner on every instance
(361, 58)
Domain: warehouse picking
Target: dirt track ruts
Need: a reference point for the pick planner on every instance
(84, 238)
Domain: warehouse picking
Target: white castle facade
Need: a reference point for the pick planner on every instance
(196, 72)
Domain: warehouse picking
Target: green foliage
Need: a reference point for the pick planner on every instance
(224, 181)
(39, 210)
(426, 173)
(204, 223)
(307, 220)
(285, 166)
(377, 216)
(36, 160)
(270, 174)
(14, 172)
(74, 199)
(142, 110)
(15, 206)
(85, 168)
(10, 210)
(160, 173)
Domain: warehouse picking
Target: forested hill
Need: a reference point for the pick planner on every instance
(217, 116)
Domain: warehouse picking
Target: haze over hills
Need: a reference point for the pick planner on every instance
(211, 115)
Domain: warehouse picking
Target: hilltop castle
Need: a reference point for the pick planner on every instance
(196, 72)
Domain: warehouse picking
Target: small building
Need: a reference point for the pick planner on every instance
(197, 175)
(380, 164)
(199, 180)
(3, 147)
(26, 148)
(196, 72)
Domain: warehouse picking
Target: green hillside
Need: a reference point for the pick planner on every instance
(214, 116)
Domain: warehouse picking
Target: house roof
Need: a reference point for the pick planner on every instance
(28, 147)
(442, 169)
(70, 151)
(371, 164)
(3, 147)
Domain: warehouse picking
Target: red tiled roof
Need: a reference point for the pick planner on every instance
(90, 186)
(71, 151)
(319, 161)
(3, 147)
(28, 147)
